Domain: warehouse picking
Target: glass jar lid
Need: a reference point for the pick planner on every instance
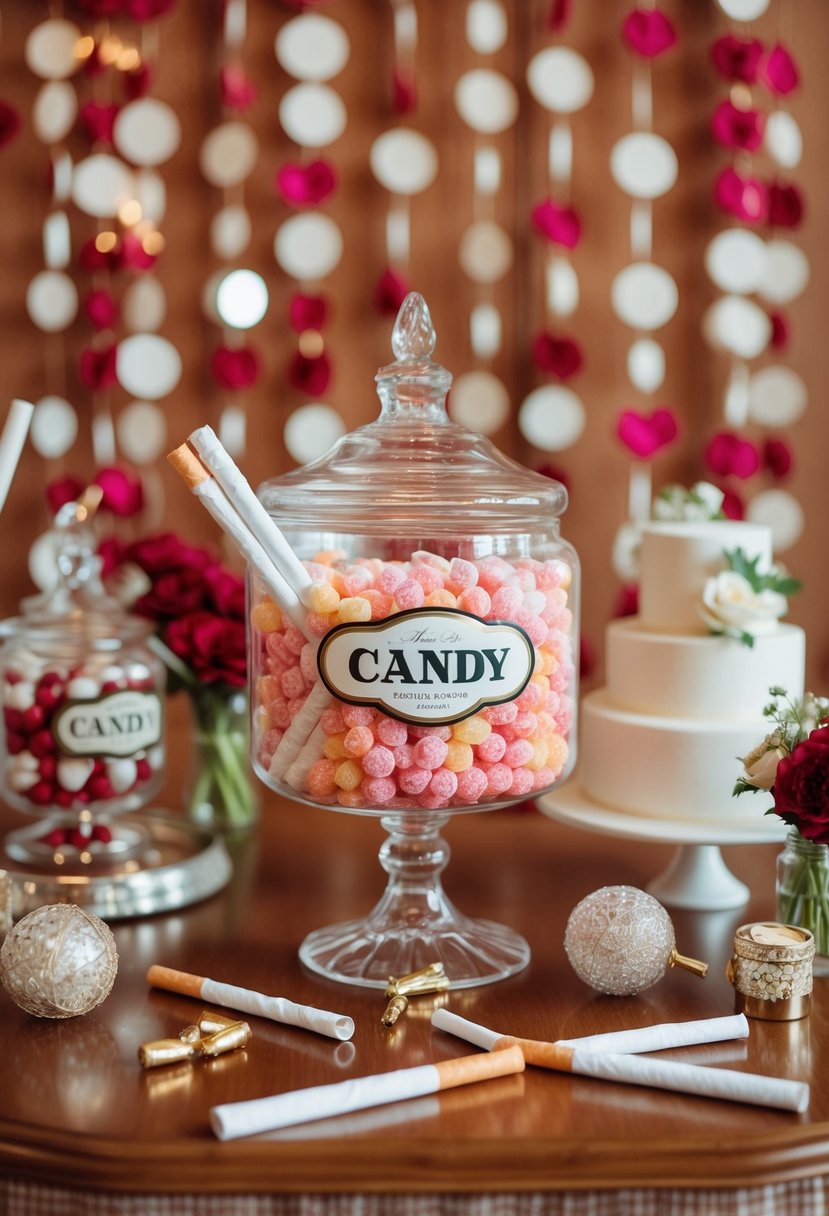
(414, 466)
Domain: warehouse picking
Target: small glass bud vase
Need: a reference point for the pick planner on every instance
(83, 723)
(803, 890)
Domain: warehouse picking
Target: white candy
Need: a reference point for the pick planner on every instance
(155, 756)
(22, 779)
(111, 674)
(138, 671)
(82, 688)
(21, 695)
(25, 760)
(122, 774)
(74, 773)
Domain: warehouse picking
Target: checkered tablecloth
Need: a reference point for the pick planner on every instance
(804, 1197)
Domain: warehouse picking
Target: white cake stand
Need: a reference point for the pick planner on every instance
(697, 876)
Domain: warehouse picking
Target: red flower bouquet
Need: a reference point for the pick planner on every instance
(792, 764)
(198, 606)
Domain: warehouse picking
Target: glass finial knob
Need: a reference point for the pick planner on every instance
(413, 336)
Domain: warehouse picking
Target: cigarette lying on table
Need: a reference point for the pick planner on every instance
(323, 1101)
(15, 430)
(277, 1008)
(616, 1042)
(658, 1074)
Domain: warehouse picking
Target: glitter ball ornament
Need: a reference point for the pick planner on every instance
(58, 961)
(620, 940)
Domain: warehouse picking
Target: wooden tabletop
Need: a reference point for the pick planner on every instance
(76, 1108)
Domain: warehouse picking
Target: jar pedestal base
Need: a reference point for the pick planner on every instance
(414, 924)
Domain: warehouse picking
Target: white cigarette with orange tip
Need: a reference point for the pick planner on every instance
(618, 1042)
(728, 1085)
(238, 490)
(213, 498)
(277, 1008)
(15, 430)
(237, 1119)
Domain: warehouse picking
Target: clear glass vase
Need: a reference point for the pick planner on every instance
(803, 889)
(221, 793)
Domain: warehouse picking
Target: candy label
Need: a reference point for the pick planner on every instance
(117, 725)
(429, 666)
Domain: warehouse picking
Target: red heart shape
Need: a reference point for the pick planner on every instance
(646, 434)
(560, 357)
(727, 454)
(306, 185)
(648, 32)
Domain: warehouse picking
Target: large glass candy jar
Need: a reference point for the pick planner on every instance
(82, 697)
(431, 667)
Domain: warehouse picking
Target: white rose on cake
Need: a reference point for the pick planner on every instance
(730, 605)
(702, 501)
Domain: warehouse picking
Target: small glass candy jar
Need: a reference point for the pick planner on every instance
(82, 698)
(432, 667)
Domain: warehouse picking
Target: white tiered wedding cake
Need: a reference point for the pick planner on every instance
(662, 739)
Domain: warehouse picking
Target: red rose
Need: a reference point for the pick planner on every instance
(801, 787)
(226, 591)
(172, 593)
(213, 647)
(158, 554)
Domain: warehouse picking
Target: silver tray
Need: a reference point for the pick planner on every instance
(180, 865)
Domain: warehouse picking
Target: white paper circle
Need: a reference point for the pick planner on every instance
(310, 431)
(480, 402)
(787, 272)
(100, 184)
(308, 246)
(147, 366)
(736, 260)
(486, 100)
(50, 49)
(485, 252)
(743, 10)
(230, 232)
(486, 26)
(644, 296)
(57, 241)
(560, 80)
(312, 115)
(142, 431)
(777, 396)
(487, 171)
(150, 192)
(783, 140)
(644, 165)
(562, 288)
(52, 301)
(233, 430)
(54, 111)
(43, 561)
(485, 329)
(242, 299)
(54, 427)
(147, 131)
(783, 514)
(738, 326)
(228, 154)
(144, 305)
(551, 418)
(403, 161)
(312, 47)
(61, 176)
(646, 365)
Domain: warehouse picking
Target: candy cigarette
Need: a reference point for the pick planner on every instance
(323, 1101)
(619, 1042)
(218, 461)
(303, 733)
(213, 499)
(277, 1008)
(14, 434)
(658, 1074)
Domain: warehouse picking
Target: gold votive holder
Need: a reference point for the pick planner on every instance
(771, 971)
